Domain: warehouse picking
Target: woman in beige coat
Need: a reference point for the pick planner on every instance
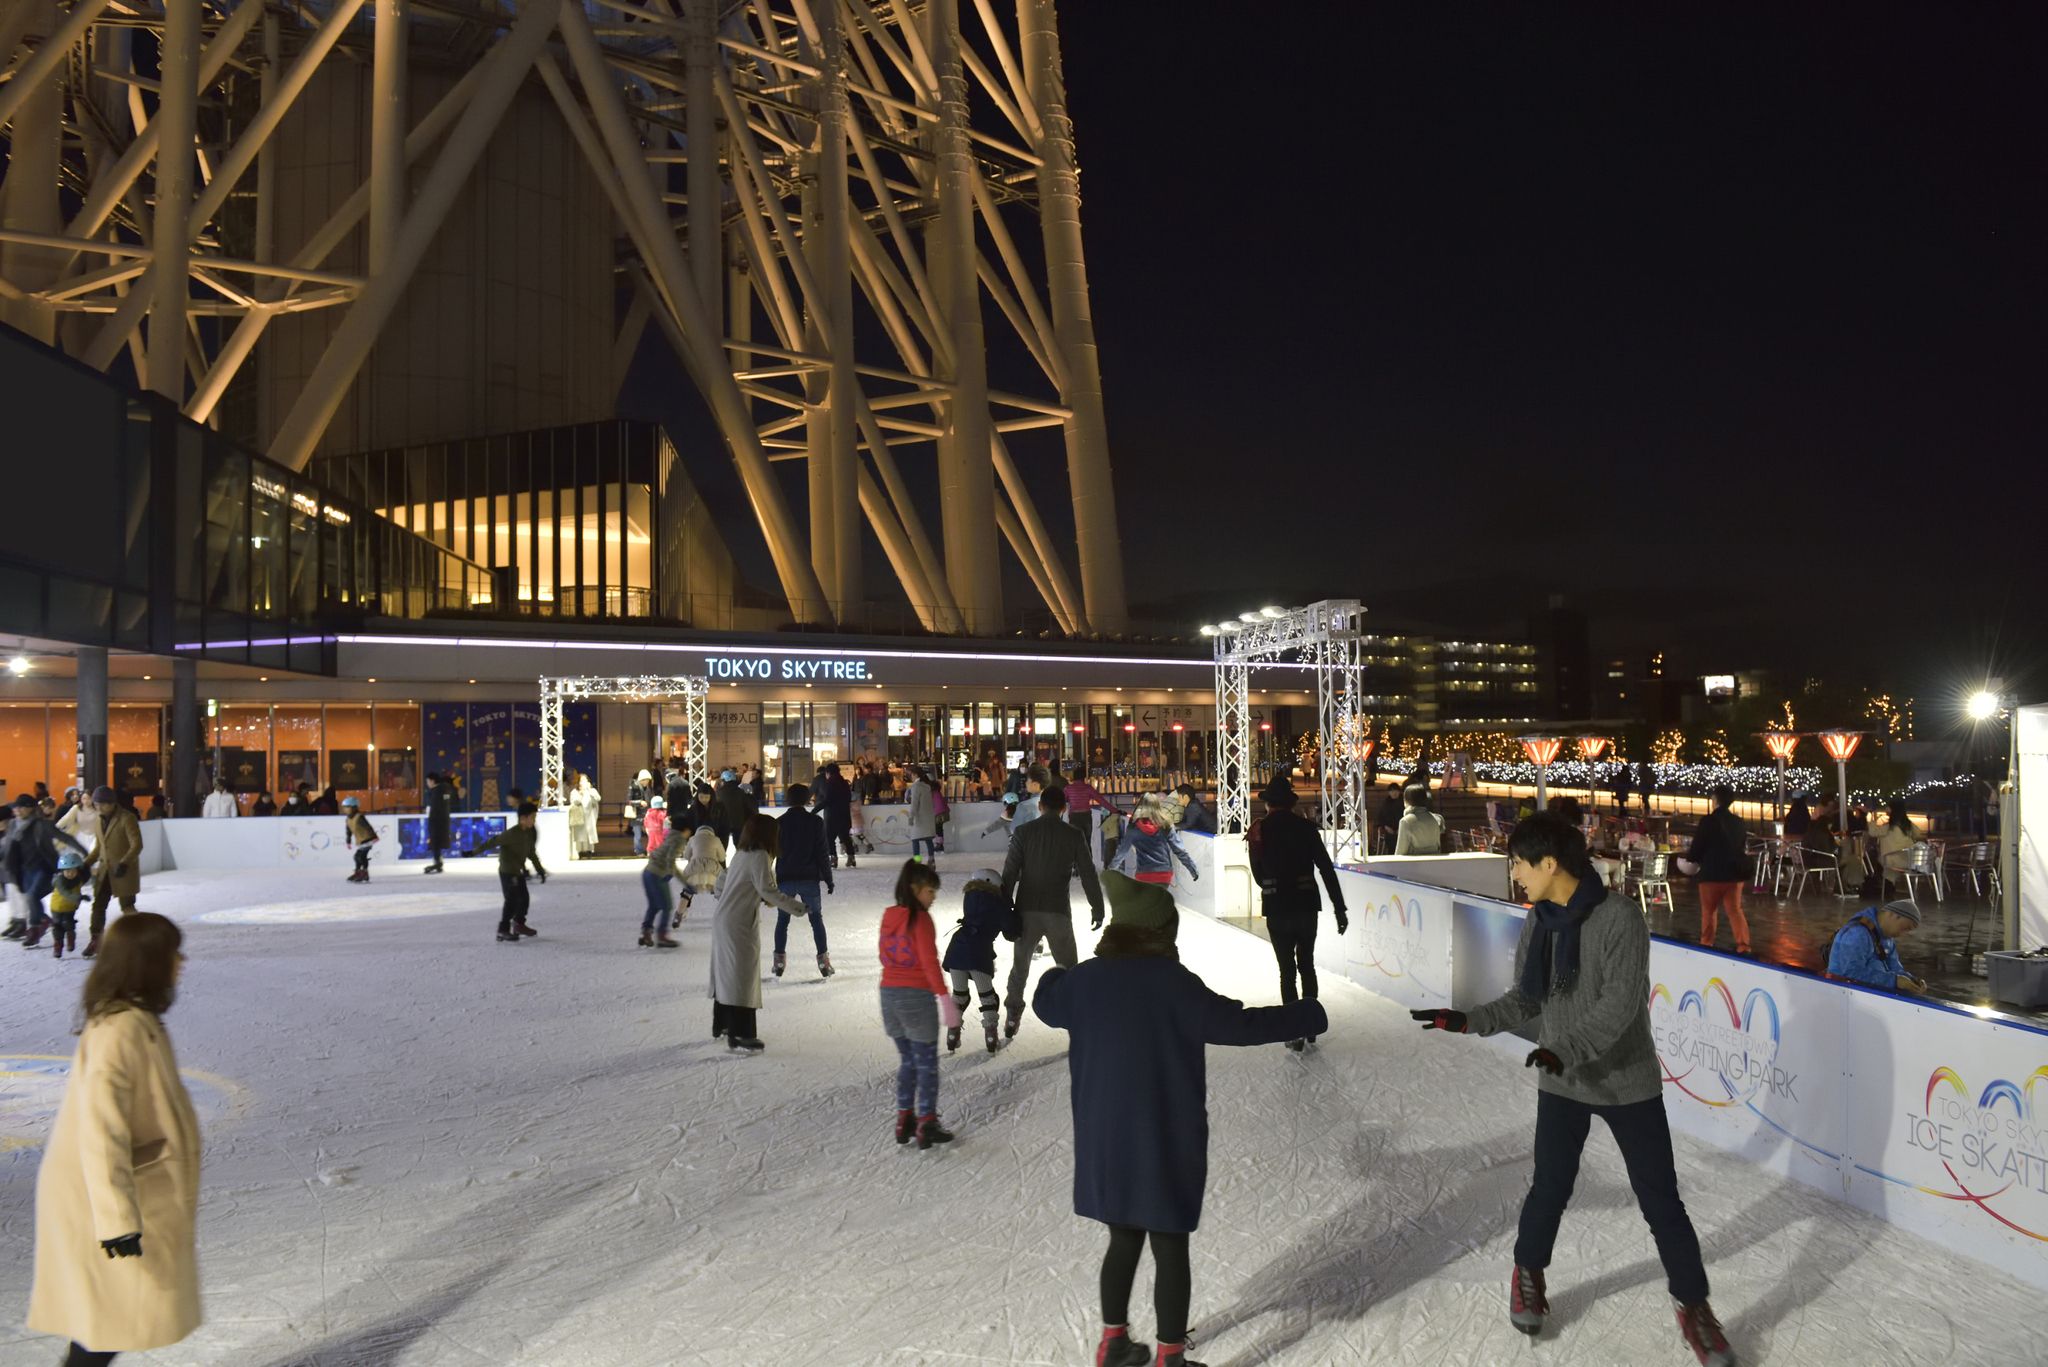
(118, 1194)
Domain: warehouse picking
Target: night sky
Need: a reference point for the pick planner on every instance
(1725, 322)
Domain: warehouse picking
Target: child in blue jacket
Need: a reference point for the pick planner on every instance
(971, 953)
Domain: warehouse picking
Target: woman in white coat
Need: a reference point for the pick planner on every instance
(117, 1197)
(584, 801)
(736, 934)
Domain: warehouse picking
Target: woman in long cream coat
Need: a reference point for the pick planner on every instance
(117, 1198)
(736, 933)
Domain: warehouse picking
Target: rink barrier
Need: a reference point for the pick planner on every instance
(282, 842)
(1931, 1117)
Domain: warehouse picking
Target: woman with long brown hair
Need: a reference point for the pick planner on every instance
(118, 1194)
(736, 933)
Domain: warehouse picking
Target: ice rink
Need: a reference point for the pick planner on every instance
(424, 1147)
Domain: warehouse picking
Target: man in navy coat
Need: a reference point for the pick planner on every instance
(1140, 1024)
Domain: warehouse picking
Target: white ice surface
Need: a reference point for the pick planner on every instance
(425, 1147)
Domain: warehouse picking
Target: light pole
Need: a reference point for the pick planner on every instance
(1840, 745)
(1591, 748)
(1783, 745)
(1542, 752)
(1180, 744)
(1985, 705)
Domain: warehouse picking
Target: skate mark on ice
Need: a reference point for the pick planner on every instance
(384, 1343)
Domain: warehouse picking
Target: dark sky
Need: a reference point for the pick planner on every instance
(1725, 321)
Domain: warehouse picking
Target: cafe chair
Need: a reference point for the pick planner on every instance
(1912, 865)
(1651, 874)
(1978, 863)
(1802, 863)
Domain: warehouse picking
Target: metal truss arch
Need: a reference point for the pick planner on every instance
(1326, 638)
(691, 689)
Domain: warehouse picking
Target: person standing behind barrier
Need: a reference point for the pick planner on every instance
(1287, 854)
(1196, 817)
(117, 1196)
(1718, 849)
(1044, 857)
(1582, 971)
(1421, 831)
(922, 817)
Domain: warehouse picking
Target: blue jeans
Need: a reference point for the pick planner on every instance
(35, 886)
(639, 825)
(813, 901)
(661, 902)
(928, 845)
(917, 1076)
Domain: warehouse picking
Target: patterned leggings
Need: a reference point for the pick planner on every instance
(918, 1073)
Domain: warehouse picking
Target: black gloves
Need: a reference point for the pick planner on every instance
(1343, 921)
(1095, 922)
(127, 1246)
(1453, 1021)
(543, 875)
(1544, 1059)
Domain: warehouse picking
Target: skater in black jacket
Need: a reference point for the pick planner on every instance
(971, 953)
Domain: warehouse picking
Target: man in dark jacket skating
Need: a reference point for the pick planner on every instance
(1044, 857)
(800, 867)
(1139, 1023)
(1718, 848)
(1582, 971)
(440, 818)
(834, 797)
(1287, 853)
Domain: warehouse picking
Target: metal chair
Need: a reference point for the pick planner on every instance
(1978, 862)
(1918, 862)
(1651, 873)
(1802, 863)
(1762, 852)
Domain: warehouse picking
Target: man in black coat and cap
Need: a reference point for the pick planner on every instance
(835, 802)
(440, 818)
(1287, 853)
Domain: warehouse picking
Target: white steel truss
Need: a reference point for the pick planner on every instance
(845, 169)
(1326, 638)
(691, 689)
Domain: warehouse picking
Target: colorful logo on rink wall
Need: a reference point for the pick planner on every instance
(1392, 938)
(1993, 1148)
(1715, 1054)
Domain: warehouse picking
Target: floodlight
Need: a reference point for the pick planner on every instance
(1274, 613)
(1209, 631)
(1249, 617)
(18, 665)
(1983, 705)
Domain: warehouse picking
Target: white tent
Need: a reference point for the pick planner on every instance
(2032, 799)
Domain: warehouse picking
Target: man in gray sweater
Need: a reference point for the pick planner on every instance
(1037, 876)
(1582, 971)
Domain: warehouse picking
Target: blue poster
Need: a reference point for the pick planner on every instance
(579, 740)
(526, 749)
(444, 741)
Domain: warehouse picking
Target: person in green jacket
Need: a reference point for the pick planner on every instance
(517, 846)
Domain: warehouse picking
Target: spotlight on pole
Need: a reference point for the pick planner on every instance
(1209, 631)
(1983, 705)
(18, 665)
(1273, 614)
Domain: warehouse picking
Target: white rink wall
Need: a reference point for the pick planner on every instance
(1931, 1117)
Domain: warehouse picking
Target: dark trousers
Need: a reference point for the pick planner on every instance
(1643, 1135)
(840, 840)
(363, 860)
(517, 900)
(103, 893)
(813, 901)
(737, 1021)
(1172, 1282)
(1294, 945)
(82, 1356)
(436, 846)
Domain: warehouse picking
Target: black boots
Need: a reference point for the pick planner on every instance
(930, 1132)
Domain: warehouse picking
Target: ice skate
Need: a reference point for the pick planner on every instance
(1297, 1045)
(15, 930)
(906, 1126)
(522, 927)
(988, 1033)
(33, 938)
(825, 969)
(57, 943)
(1702, 1333)
(952, 1039)
(1526, 1305)
(1175, 1355)
(1118, 1350)
(92, 948)
(781, 962)
(71, 939)
(744, 1046)
(930, 1132)
(508, 937)
(663, 942)
(646, 939)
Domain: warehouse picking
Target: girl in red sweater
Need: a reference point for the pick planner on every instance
(914, 999)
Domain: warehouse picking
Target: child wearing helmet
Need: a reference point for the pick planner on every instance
(360, 834)
(65, 895)
(655, 824)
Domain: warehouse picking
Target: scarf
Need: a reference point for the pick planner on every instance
(1561, 922)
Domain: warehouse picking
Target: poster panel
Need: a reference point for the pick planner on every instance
(295, 767)
(136, 771)
(247, 771)
(1947, 1126)
(1752, 1061)
(1399, 944)
(348, 770)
